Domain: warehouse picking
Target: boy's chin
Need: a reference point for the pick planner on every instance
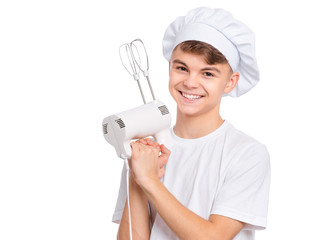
(189, 111)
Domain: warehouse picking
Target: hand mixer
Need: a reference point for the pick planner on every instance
(151, 119)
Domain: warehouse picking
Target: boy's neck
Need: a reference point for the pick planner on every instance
(191, 127)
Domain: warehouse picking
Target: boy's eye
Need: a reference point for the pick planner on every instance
(182, 68)
(208, 74)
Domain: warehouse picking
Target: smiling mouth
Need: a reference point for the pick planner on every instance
(190, 96)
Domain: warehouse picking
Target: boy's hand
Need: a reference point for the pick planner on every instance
(147, 162)
(165, 152)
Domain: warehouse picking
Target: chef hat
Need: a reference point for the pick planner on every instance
(218, 28)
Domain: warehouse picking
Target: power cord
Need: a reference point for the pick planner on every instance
(128, 200)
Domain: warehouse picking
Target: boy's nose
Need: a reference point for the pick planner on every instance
(191, 82)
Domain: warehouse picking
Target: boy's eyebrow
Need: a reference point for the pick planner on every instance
(211, 69)
(180, 62)
(203, 69)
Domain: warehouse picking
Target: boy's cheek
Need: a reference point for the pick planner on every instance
(171, 88)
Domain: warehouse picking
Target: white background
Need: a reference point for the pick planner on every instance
(60, 75)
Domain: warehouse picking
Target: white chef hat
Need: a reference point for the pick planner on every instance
(218, 28)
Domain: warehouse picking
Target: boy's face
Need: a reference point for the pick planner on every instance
(196, 86)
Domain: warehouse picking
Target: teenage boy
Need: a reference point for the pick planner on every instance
(214, 182)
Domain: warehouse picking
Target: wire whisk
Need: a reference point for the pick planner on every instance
(134, 58)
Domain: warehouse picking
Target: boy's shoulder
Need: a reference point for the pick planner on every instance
(242, 144)
(237, 136)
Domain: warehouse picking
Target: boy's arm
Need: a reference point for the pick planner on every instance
(139, 202)
(139, 214)
(183, 222)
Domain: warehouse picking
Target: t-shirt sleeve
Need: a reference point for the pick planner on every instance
(119, 208)
(243, 194)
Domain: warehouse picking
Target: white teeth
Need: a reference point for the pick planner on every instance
(190, 96)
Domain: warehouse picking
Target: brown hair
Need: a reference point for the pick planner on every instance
(210, 53)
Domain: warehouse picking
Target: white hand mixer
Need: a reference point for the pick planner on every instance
(149, 120)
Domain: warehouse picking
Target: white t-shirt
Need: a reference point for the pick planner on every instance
(225, 172)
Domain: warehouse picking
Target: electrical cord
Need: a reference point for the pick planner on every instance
(128, 200)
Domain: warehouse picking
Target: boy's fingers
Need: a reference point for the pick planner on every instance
(147, 140)
(150, 142)
(138, 146)
(165, 153)
(164, 150)
(163, 160)
(134, 147)
(143, 141)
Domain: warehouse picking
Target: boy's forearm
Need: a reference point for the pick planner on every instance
(183, 222)
(139, 215)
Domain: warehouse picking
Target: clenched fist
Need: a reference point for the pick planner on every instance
(148, 160)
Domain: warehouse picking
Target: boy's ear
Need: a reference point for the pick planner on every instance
(232, 82)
